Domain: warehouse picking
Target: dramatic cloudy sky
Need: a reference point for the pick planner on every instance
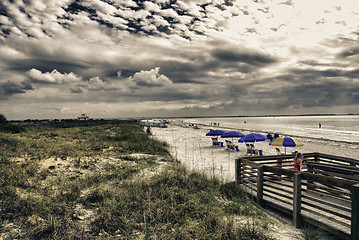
(134, 58)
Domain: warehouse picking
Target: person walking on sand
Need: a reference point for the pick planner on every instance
(298, 162)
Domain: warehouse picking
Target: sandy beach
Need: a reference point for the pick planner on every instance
(192, 148)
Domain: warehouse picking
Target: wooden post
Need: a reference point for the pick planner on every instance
(355, 212)
(238, 170)
(297, 186)
(310, 183)
(279, 162)
(260, 185)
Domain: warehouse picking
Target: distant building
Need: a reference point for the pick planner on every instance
(83, 117)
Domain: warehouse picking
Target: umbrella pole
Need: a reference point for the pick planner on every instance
(285, 150)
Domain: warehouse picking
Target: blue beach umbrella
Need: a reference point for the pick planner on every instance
(253, 137)
(232, 134)
(215, 133)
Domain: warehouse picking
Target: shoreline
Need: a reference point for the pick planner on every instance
(311, 144)
(280, 133)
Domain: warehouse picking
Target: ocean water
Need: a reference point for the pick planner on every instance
(338, 128)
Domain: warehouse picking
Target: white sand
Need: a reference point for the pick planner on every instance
(193, 149)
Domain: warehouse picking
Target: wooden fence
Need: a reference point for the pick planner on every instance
(325, 193)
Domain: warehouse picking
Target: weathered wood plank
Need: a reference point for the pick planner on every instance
(283, 194)
(337, 169)
(339, 158)
(355, 212)
(326, 195)
(328, 180)
(314, 198)
(327, 210)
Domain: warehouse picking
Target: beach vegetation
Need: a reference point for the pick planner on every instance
(113, 182)
(6, 126)
(310, 232)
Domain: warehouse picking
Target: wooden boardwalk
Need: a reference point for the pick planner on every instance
(323, 199)
(314, 207)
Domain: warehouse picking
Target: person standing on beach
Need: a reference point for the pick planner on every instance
(298, 162)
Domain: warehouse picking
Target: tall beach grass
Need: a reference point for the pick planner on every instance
(96, 187)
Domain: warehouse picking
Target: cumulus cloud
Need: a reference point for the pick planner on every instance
(150, 78)
(51, 77)
(97, 84)
(150, 6)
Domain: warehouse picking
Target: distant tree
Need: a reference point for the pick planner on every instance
(2, 119)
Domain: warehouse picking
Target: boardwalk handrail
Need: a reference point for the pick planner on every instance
(323, 192)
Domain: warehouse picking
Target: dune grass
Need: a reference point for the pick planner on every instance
(95, 189)
(41, 141)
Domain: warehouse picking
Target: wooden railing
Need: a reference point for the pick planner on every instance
(325, 193)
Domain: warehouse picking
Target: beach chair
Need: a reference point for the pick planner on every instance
(260, 152)
(278, 151)
(229, 145)
(249, 150)
(237, 148)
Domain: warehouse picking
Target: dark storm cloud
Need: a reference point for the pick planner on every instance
(3, 10)
(312, 63)
(329, 73)
(76, 7)
(47, 65)
(76, 90)
(350, 52)
(312, 88)
(200, 65)
(251, 58)
(353, 74)
(9, 88)
(322, 94)
(180, 72)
